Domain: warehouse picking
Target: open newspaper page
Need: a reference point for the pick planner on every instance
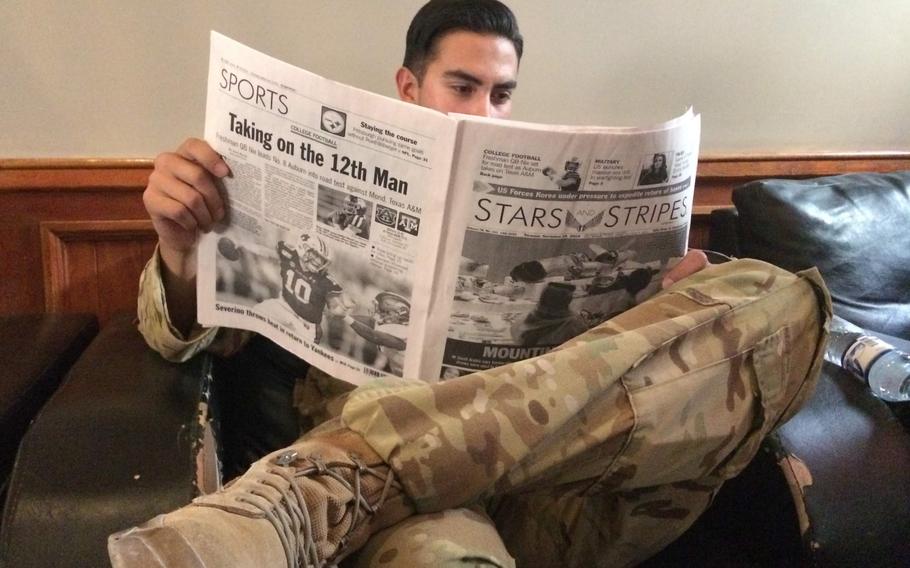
(554, 230)
(334, 204)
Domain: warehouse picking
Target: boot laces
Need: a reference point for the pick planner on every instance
(291, 519)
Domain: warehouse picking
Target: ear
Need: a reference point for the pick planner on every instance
(408, 85)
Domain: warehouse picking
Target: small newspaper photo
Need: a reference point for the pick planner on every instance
(377, 238)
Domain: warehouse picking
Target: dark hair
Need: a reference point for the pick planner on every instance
(440, 17)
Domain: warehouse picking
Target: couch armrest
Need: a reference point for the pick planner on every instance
(847, 458)
(36, 351)
(853, 227)
(118, 443)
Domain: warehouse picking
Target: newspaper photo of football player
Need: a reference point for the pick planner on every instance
(347, 213)
(386, 327)
(307, 289)
(294, 275)
(369, 321)
(567, 180)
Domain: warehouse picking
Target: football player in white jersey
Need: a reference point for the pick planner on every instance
(387, 328)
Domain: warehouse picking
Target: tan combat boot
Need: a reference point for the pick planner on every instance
(310, 504)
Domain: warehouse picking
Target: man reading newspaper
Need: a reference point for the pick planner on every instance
(600, 452)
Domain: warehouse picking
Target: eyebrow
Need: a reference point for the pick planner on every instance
(465, 76)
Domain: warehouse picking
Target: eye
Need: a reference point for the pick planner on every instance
(501, 97)
(462, 89)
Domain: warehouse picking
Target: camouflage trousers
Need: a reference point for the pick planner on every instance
(605, 450)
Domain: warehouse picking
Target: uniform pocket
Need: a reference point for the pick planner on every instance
(712, 419)
(770, 364)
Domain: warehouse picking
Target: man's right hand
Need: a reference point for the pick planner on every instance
(181, 199)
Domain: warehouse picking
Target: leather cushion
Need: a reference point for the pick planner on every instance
(856, 457)
(35, 352)
(116, 444)
(853, 227)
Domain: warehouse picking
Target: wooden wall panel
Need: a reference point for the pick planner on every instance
(92, 266)
(48, 263)
(74, 234)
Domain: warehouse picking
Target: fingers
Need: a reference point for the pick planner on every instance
(168, 197)
(199, 151)
(193, 187)
(181, 193)
(694, 261)
(170, 211)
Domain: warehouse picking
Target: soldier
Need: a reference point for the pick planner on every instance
(600, 452)
(552, 321)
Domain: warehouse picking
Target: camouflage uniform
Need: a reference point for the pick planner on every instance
(600, 452)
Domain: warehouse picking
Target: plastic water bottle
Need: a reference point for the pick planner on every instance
(884, 368)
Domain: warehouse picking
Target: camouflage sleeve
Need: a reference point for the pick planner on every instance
(160, 334)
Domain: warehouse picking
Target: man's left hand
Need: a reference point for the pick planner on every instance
(694, 261)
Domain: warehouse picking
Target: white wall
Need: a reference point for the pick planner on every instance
(111, 78)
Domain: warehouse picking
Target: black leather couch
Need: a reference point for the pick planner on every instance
(125, 436)
(118, 442)
(832, 486)
(36, 351)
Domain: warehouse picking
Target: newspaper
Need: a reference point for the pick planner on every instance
(375, 238)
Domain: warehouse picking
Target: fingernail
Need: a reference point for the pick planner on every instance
(666, 283)
(221, 169)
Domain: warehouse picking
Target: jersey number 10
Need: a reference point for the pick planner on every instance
(297, 286)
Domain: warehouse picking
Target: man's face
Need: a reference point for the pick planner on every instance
(471, 74)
